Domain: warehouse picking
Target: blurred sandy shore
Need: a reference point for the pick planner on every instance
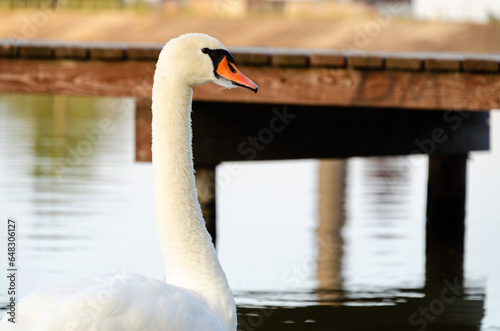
(366, 33)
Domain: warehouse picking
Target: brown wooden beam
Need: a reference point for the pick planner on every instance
(316, 86)
(93, 78)
(364, 88)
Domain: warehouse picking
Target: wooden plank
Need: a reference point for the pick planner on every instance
(365, 61)
(71, 52)
(289, 60)
(301, 86)
(486, 63)
(374, 88)
(481, 65)
(404, 63)
(7, 51)
(35, 51)
(114, 53)
(143, 53)
(442, 64)
(94, 78)
(327, 60)
(252, 58)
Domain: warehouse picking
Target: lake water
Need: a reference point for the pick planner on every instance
(350, 258)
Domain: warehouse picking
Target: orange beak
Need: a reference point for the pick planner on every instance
(227, 70)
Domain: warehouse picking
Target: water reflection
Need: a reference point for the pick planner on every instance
(385, 213)
(388, 315)
(308, 245)
(67, 176)
(369, 243)
(60, 150)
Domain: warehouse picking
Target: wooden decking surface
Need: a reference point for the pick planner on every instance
(261, 56)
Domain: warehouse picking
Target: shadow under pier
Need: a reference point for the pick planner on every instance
(246, 132)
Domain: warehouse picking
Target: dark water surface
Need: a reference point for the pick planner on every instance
(306, 245)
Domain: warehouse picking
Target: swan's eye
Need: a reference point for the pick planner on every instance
(205, 50)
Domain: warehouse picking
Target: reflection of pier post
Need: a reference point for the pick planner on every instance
(331, 220)
(445, 220)
(59, 122)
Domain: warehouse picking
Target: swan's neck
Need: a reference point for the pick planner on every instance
(189, 256)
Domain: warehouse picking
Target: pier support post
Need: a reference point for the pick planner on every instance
(205, 183)
(445, 227)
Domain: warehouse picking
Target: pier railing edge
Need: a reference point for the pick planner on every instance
(261, 56)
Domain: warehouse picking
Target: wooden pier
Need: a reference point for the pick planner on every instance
(291, 77)
(311, 104)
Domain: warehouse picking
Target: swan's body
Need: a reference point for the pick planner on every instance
(196, 295)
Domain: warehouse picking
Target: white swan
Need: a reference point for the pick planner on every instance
(197, 296)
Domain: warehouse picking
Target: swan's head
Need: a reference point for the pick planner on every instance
(196, 59)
